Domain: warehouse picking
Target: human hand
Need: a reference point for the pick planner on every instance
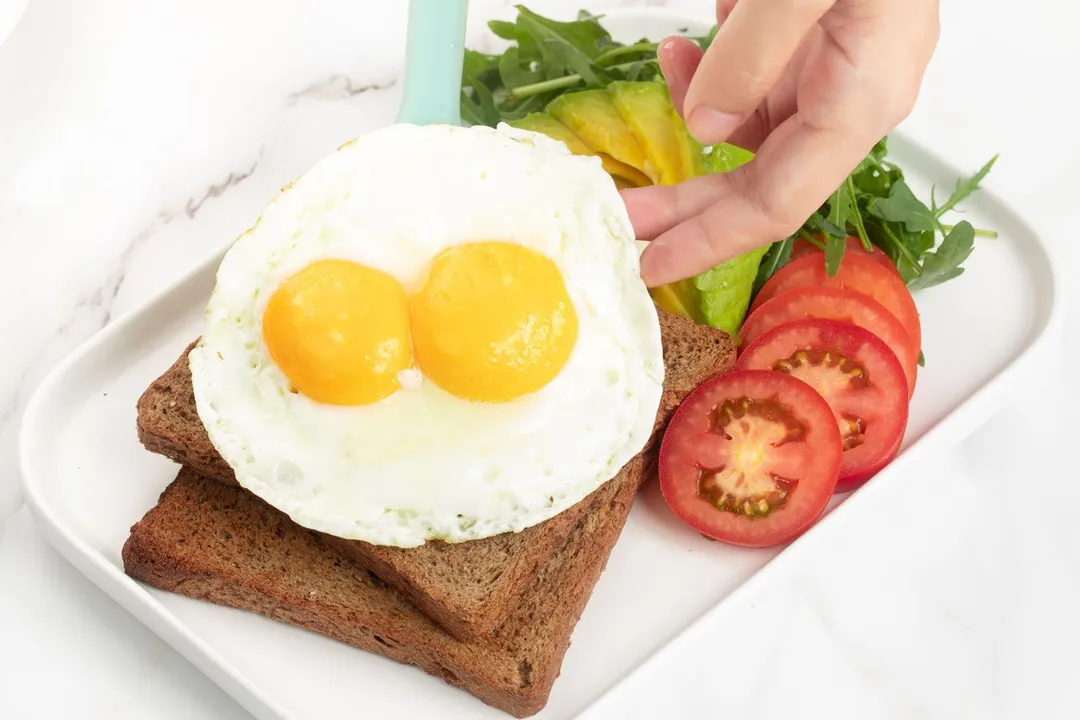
(810, 86)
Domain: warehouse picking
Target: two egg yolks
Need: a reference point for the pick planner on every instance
(493, 321)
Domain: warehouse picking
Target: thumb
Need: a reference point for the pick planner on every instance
(745, 60)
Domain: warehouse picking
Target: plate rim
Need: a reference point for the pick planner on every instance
(953, 427)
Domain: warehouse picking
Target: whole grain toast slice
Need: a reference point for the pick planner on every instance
(220, 543)
(468, 588)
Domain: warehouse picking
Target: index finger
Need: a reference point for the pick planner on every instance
(795, 171)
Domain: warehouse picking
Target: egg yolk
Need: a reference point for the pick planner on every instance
(340, 332)
(493, 321)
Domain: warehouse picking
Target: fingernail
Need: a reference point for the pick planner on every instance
(709, 125)
(664, 53)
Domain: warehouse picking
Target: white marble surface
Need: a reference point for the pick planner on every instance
(137, 136)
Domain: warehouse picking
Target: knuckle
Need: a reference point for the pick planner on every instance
(899, 105)
(778, 218)
(884, 105)
(746, 86)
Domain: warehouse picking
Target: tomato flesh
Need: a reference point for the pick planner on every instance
(857, 272)
(750, 458)
(835, 304)
(801, 248)
(857, 375)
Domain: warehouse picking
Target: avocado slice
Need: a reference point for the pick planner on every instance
(632, 176)
(690, 150)
(718, 297)
(641, 140)
(724, 157)
(592, 116)
(546, 124)
(646, 109)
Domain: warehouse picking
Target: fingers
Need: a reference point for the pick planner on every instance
(844, 90)
(723, 9)
(795, 171)
(679, 58)
(747, 57)
(658, 208)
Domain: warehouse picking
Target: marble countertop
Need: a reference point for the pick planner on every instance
(137, 137)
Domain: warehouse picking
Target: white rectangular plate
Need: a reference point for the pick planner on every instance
(88, 480)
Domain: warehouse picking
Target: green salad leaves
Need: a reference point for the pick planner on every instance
(548, 58)
(876, 205)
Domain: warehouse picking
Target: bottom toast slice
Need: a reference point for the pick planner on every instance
(216, 542)
(468, 588)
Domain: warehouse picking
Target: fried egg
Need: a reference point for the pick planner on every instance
(435, 333)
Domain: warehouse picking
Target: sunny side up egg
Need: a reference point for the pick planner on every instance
(435, 333)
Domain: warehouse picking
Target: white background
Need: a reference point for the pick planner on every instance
(123, 123)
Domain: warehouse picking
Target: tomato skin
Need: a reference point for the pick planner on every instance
(880, 403)
(857, 272)
(801, 248)
(816, 465)
(858, 479)
(835, 304)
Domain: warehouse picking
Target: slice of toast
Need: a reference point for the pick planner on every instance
(216, 542)
(468, 588)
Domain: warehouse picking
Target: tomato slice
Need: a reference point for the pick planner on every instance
(835, 304)
(857, 272)
(856, 373)
(854, 245)
(750, 458)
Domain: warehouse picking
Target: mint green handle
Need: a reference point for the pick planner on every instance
(433, 56)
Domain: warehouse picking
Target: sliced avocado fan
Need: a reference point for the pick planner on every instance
(641, 140)
(548, 125)
(592, 116)
(646, 109)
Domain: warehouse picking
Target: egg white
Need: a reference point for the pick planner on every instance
(423, 464)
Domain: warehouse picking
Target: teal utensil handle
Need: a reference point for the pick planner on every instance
(433, 56)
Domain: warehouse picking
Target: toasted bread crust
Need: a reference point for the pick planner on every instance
(467, 588)
(215, 542)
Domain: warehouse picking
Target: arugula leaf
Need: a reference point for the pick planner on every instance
(943, 264)
(963, 189)
(902, 206)
(706, 41)
(478, 105)
(823, 225)
(856, 216)
(504, 29)
(839, 208)
(567, 47)
(585, 35)
(834, 253)
(478, 68)
(724, 157)
(643, 50)
(840, 212)
(777, 256)
(513, 73)
(802, 234)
